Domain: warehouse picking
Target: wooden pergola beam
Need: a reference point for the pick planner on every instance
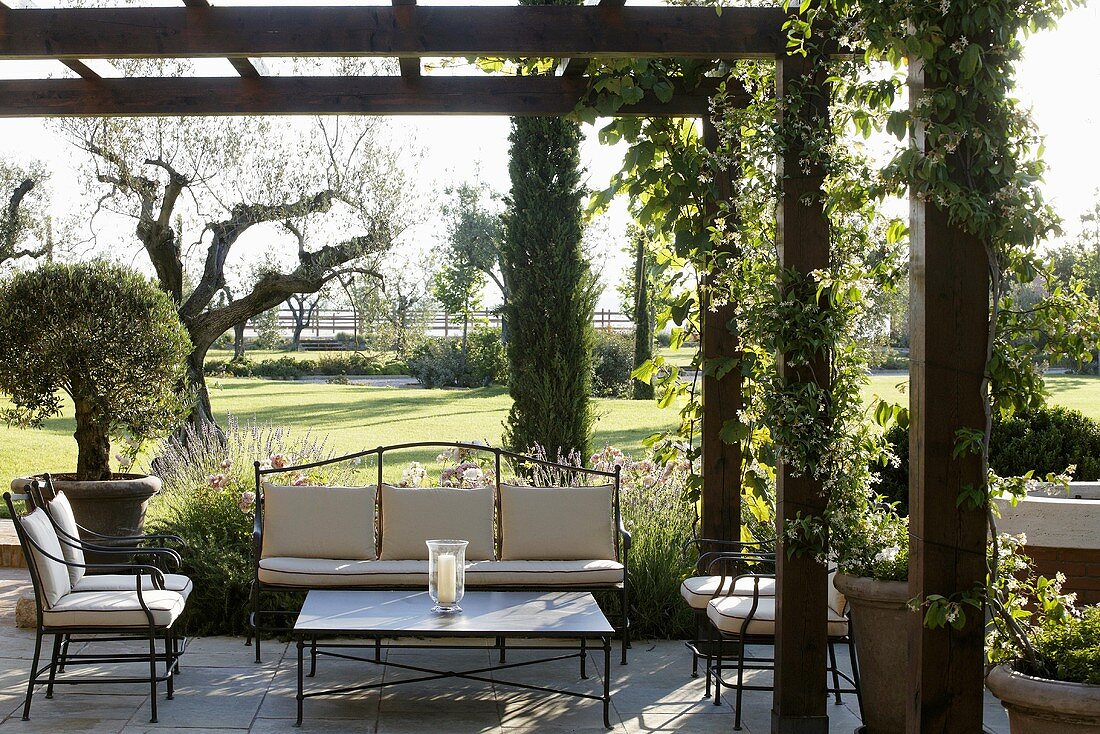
(519, 96)
(554, 31)
(82, 69)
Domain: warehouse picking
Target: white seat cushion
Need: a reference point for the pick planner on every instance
(327, 573)
(319, 522)
(176, 582)
(53, 575)
(114, 609)
(557, 523)
(62, 513)
(728, 614)
(698, 590)
(412, 516)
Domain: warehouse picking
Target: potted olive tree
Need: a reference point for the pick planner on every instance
(111, 341)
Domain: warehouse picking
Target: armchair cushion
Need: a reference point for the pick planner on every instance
(62, 513)
(126, 582)
(318, 522)
(729, 613)
(412, 516)
(114, 609)
(53, 576)
(557, 523)
(697, 591)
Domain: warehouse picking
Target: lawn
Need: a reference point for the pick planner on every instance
(355, 417)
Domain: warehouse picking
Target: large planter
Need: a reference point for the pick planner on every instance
(879, 618)
(1041, 706)
(114, 507)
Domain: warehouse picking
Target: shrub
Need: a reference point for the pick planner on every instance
(1045, 441)
(1071, 646)
(289, 368)
(612, 363)
(105, 336)
(436, 362)
(486, 358)
(207, 500)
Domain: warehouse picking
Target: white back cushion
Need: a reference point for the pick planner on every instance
(62, 513)
(319, 522)
(557, 523)
(412, 516)
(52, 575)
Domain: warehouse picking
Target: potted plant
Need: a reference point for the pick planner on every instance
(872, 549)
(111, 341)
(1044, 653)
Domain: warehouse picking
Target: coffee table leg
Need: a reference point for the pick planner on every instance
(607, 682)
(313, 658)
(584, 657)
(301, 650)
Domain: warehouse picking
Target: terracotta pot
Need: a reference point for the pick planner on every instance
(879, 617)
(112, 507)
(1041, 706)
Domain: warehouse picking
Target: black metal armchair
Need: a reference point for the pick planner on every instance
(148, 612)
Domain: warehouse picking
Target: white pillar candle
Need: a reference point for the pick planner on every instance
(446, 578)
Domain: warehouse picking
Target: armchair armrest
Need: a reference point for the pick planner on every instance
(727, 566)
(624, 535)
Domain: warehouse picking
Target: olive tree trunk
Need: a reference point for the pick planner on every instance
(93, 460)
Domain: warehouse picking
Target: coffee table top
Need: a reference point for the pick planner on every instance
(484, 613)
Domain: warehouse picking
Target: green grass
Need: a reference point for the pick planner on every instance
(352, 417)
(355, 417)
(267, 355)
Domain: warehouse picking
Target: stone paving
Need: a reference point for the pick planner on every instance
(221, 689)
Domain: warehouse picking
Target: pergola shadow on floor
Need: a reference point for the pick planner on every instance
(949, 297)
(220, 688)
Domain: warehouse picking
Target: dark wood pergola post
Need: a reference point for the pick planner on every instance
(949, 313)
(722, 399)
(802, 240)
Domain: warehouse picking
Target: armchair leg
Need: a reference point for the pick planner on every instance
(64, 653)
(152, 677)
(626, 624)
(720, 649)
(168, 662)
(34, 674)
(836, 673)
(740, 683)
(709, 656)
(256, 618)
(54, 655)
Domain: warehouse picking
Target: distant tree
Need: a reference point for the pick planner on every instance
(1078, 261)
(398, 307)
(235, 174)
(24, 222)
(457, 285)
(644, 314)
(474, 234)
(553, 291)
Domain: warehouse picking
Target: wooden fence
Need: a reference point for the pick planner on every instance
(330, 322)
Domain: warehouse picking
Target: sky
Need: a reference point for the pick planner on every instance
(1056, 79)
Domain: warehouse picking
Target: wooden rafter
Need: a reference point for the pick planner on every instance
(577, 65)
(250, 32)
(244, 66)
(550, 95)
(410, 65)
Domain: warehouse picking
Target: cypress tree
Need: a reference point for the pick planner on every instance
(643, 314)
(553, 293)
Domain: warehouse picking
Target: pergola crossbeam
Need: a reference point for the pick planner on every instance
(410, 65)
(289, 95)
(76, 65)
(411, 31)
(243, 66)
(577, 66)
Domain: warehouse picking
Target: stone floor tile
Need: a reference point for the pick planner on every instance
(280, 700)
(450, 722)
(214, 698)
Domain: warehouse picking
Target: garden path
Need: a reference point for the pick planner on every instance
(221, 690)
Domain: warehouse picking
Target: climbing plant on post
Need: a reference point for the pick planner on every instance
(553, 291)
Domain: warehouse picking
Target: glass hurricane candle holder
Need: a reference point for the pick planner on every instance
(446, 574)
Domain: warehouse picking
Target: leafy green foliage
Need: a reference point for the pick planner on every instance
(103, 335)
(289, 368)
(1034, 442)
(612, 363)
(553, 291)
(1072, 646)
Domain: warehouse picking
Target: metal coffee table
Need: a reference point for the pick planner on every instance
(495, 615)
